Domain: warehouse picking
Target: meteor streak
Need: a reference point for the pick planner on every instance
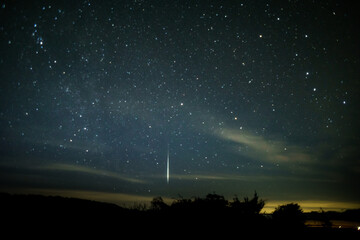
(167, 166)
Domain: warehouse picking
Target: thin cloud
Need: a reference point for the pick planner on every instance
(88, 170)
(260, 148)
(242, 178)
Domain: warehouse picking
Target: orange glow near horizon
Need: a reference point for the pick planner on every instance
(313, 205)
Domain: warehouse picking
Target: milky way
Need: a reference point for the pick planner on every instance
(248, 95)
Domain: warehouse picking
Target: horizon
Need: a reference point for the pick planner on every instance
(129, 201)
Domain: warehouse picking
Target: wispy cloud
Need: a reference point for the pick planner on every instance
(260, 148)
(235, 177)
(88, 170)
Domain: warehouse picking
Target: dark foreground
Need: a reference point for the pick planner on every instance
(52, 217)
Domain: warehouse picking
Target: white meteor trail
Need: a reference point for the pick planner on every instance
(167, 167)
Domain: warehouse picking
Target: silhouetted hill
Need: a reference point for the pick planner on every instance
(61, 205)
(39, 205)
(62, 214)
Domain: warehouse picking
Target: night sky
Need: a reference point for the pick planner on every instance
(246, 95)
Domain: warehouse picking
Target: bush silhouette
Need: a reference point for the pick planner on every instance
(215, 203)
(289, 216)
(248, 207)
(215, 200)
(158, 204)
(213, 211)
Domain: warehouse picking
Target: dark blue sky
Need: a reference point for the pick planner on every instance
(249, 95)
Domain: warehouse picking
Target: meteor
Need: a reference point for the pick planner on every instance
(167, 166)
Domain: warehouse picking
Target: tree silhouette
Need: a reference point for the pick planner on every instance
(215, 201)
(289, 216)
(255, 204)
(248, 207)
(158, 204)
(210, 216)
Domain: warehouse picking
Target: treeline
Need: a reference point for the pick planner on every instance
(215, 210)
(212, 214)
(244, 215)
